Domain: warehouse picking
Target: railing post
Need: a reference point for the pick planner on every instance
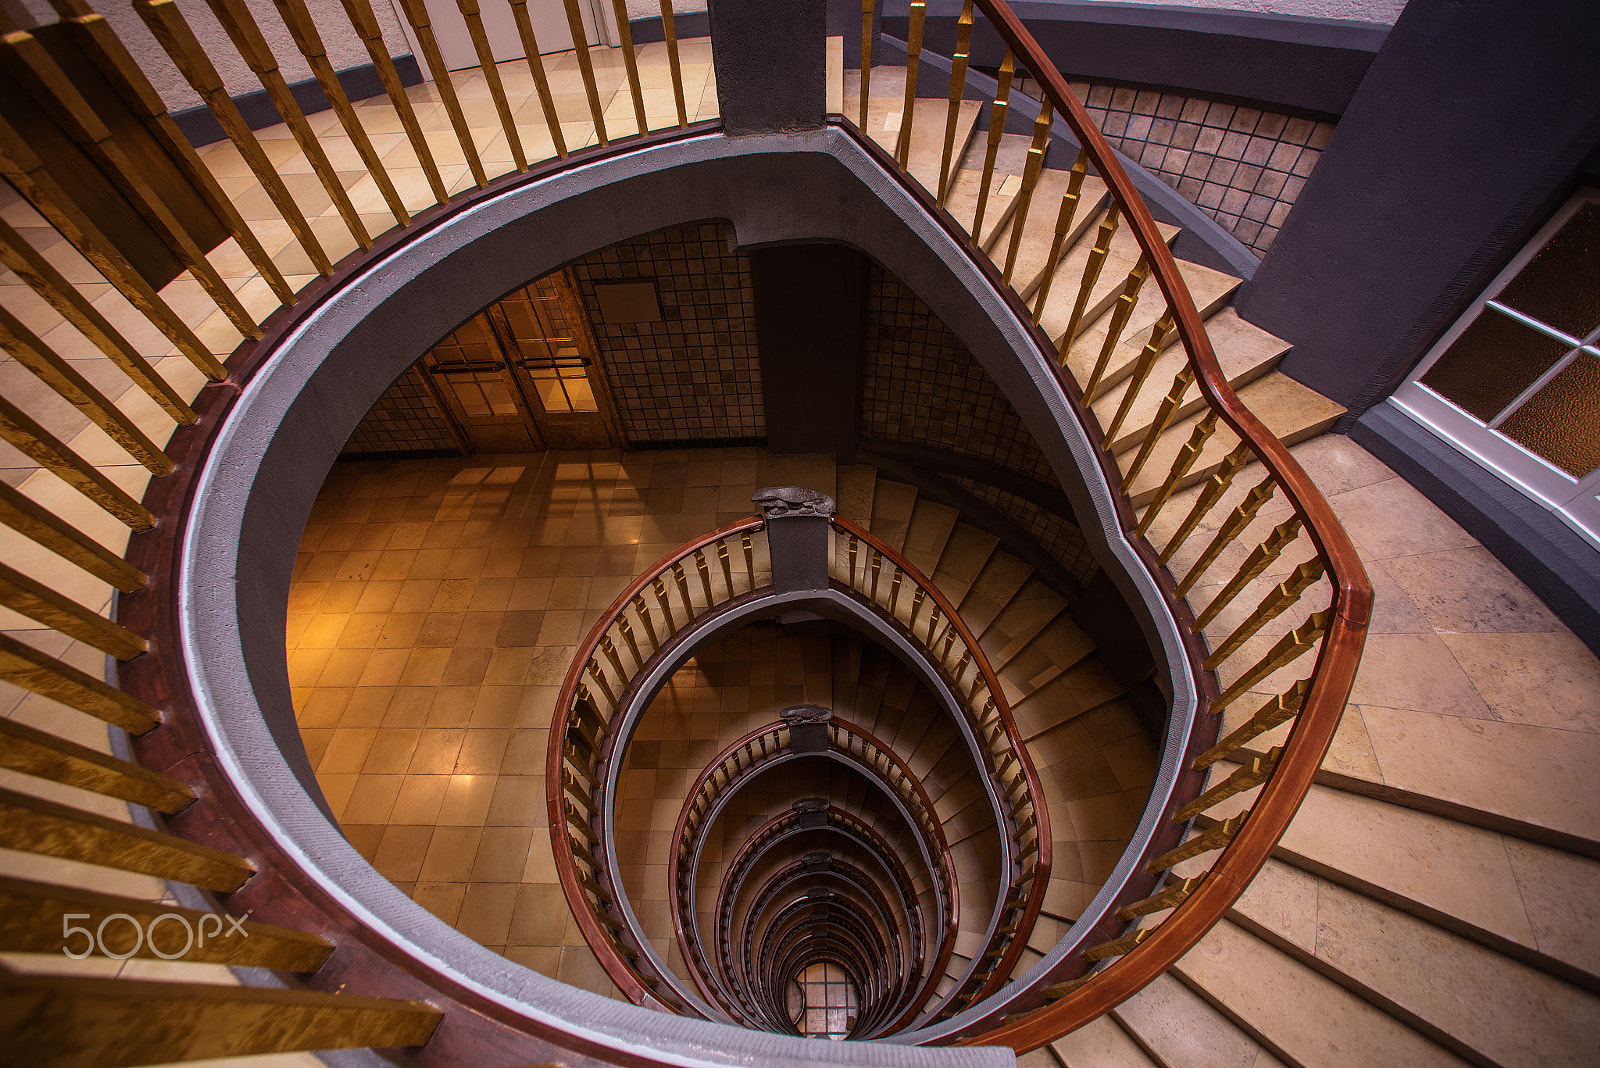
(797, 536)
(808, 727)
(813, 812)
(771, 64)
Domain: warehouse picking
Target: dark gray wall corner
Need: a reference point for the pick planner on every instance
(771, 64)
(1469, 129)
(1541, 550)
(359, 83)
(1305, 66)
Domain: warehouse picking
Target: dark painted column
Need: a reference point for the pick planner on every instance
(808, 304)
(797, 536)
(771, 65)
(1467, 131)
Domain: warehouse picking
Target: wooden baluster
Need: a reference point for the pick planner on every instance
(1275, 712)
(601, 680)
(48, 367)
(1171, 896)
(160, 1022)
(630, 63)
(1215, 487)
(366, 26)
(55, 92)
(660, 588)
(416, 13)
(578, 790)
(626, 630)
(916, 607)
(877, 566)
(31, 922)
(1121, 312)
(1030, 179)
(44, 827)
(580, 51)
(641, 610)
(102, 45)
(31, 598)
(541, 82)
(1230, 529)
(22, 514)
(170, 28)
(241, 28)
(1091, 275)
(749, 560)
(1064, 216)
(1279, 598)
(28, 175)
(1260, 558)
(670, 30)
(73, 306)
(908, 111)
(949, 640)
(39, 445)
(24, 666)
(1214, 838)
(727, 567)
(491, 76)
(958, 86)
(997, 128)
(703, 568)
(34, 752)
(683, 589)
(1248, 777)
(866, 59)
(1181, 465)
(609, 647)
(935, 616)
(851, 556)
(894, 589)
(1289, 648)
(297, 17)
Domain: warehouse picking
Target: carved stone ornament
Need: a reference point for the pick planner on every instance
(780, 501)
(801, 715)
(816, 860)
(810, 804)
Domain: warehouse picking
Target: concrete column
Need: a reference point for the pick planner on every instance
(797, 536)
(771, 64)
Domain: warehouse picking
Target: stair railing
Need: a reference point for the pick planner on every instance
(876, 573)
(1166, 924)
(750, 755)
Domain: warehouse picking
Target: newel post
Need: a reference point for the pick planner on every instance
(771, 64)
(797, 534)
(808, 727)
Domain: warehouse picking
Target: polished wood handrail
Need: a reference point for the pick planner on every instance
(1034, 790)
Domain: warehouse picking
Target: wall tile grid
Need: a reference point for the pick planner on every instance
(1244, 167)
(694, 376)
(403, 422)
(1057, 535)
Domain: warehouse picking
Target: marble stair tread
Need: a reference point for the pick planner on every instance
(1026, 614)
(1053, 650)
(1304, 1016)
(1084, 686)
(1120, 259)
(1244, 352)
(1210, 290)
(885, 115)
(1290, 411)
(964, 557)
(929, 530)
(1181, 1028)
(856, 483)
(1101, 1043)
(1481, 1004)
(892, 505)
(1039, 228)
(961, 200)
(992, 590)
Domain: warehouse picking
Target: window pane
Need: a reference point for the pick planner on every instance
(1491, 363)
(1561, 422)
(1561, 285)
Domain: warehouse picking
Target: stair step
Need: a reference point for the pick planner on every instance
(1101, 1043)
(1039, 229)
(1025, 615)
(993, 589)
(1182, 1028)
(930, 529)
(1244, 352)
(1011, 159)
(1291, 411)
(1084, 686)
(1120, 259)
(892, 505)
(1053, 650)
(1210, 290)
(964, 557)
(856, 486)
(929, 119)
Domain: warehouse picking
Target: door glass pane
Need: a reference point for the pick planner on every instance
(481, 396)
(467, 345)
(1561, 284)
(1491, 363)
(1561, 422)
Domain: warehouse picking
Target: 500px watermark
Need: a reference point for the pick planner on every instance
(143, 932)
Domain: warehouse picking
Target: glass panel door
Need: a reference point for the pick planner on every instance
(476, 382)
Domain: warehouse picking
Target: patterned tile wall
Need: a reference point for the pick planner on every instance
(403, 422)
(1242, 166)
(694, 376)
(921, 385)
(1058, 536)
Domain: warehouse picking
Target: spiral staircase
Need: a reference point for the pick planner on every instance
(968, 829)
